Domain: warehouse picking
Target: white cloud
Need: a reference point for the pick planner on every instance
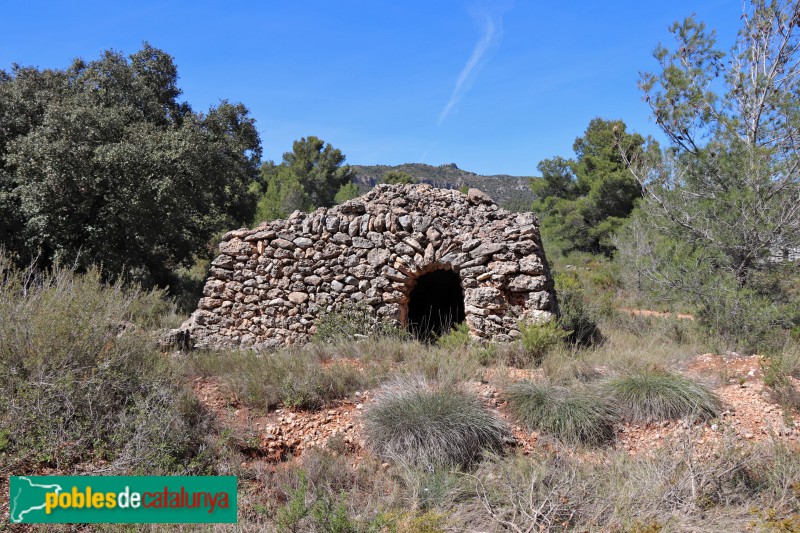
(492, 33)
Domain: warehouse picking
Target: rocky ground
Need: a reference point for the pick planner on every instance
(749, 415)
(267, 439)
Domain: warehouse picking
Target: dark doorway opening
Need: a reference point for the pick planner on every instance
(435, 305)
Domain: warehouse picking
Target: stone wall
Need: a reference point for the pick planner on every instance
(270, 284)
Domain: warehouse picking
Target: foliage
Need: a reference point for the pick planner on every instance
(82, 379)
(613, 490)
(776, 373)
(654, 395)
(416, 422)
(457, 337)
(394, 177)
(290, 515)
(582, 201)
(576, 415)
(310, 176)
(318, 167)
(100, 163)
(538, 338)
(574, 316)
(322, 492)
(293, 379)
(549, 488)
(284, 194)
(348, 191)
(722, 205)
(516, 205)
(357, 321)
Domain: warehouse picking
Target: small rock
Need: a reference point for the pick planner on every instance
(298, 297)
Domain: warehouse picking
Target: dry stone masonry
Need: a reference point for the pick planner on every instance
(270, 285)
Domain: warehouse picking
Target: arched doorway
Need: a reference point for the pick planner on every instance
(435, 305)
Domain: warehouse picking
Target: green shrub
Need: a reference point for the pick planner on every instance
(456, 338)
(538, 339)
(293, 378)
(744, 320)
(776, 371)
(324, 492)
(782, 365)
(319, 385)
(487, 354)
(651, 395)
(576, 415)
(352, 323)
(417, 422)
(82, 380)
(290, 516)
(576, 319)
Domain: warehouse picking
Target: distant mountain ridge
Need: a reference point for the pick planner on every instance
(509, 191)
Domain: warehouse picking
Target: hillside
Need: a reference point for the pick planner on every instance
(508, 191)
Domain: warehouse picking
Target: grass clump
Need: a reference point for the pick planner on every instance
(354, 322)
(538, 339)
(414, 421)
(651, 395)
(577, 415)
(456, 338)
(293, 378)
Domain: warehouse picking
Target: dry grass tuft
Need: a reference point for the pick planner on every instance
(418, 422)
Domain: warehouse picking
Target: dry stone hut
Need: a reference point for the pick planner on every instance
(421, 257)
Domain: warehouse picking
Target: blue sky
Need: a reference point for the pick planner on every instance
(494, 86)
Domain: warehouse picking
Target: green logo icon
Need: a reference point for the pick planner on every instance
(28, 497)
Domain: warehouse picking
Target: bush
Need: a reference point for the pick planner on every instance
(319, 385)
(651, 395)
(83, 381)
(744, 320)
(293, 378)
(417, 422)
(576, 319)
(776, 372)
(324, 492)
(487, 354)
(577, 415)
(780, 366)
(456, 338)
(538, 339)
(354, 322)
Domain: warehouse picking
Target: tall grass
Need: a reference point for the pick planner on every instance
(293, 378)
(741, 489)
(651, 395)
(417, 422)
(537, 341)
(354, 322)
(82, 380)
(576, 415)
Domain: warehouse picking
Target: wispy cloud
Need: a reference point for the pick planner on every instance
(492, 33)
